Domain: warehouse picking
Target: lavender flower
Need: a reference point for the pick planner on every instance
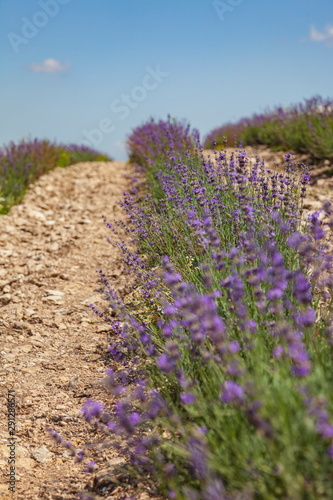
(187, 398)
(90, 467)
(92, 410)
(232, 392)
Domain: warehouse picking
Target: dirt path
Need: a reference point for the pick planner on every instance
(51, 343)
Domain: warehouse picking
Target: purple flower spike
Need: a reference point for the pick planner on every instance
(80, 456)
(214, 490)
(231, 392)
(187, 398)
(116, 353)
(165, 364)
(278, 351)
(92, 409)
(90, 467)
(302, 288)
(306, 318)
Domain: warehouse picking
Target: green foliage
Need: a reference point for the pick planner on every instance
(64, 159)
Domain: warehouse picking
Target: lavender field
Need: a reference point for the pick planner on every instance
(220, 359)
(166, 250)
(225, 349)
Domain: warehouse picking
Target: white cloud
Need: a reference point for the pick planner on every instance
(49, 66)
(120, 145)
(325, 36)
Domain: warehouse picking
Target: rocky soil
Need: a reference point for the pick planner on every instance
(52, 346)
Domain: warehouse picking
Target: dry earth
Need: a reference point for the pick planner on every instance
(52, 346)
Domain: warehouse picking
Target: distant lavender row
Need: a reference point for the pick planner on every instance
(303, 128)
(222, 361)
(148, 140)
(22, 163)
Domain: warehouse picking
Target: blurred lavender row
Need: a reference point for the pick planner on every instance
(22, 163)
(303, 128)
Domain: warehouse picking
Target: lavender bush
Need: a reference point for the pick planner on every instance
(303, 128)
(148, 140)
(22, 163)
(225, 386)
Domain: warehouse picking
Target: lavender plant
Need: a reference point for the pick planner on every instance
(226, 393)
(22, 163)
(303, 128)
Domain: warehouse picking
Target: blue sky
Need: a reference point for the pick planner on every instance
(92, 70)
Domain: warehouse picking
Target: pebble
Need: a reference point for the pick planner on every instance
(61, 407)
(54, 247)
(29, 312)
(37, 343)
(53, 298)
(41, 454)
(54, 292)
(6, 298)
